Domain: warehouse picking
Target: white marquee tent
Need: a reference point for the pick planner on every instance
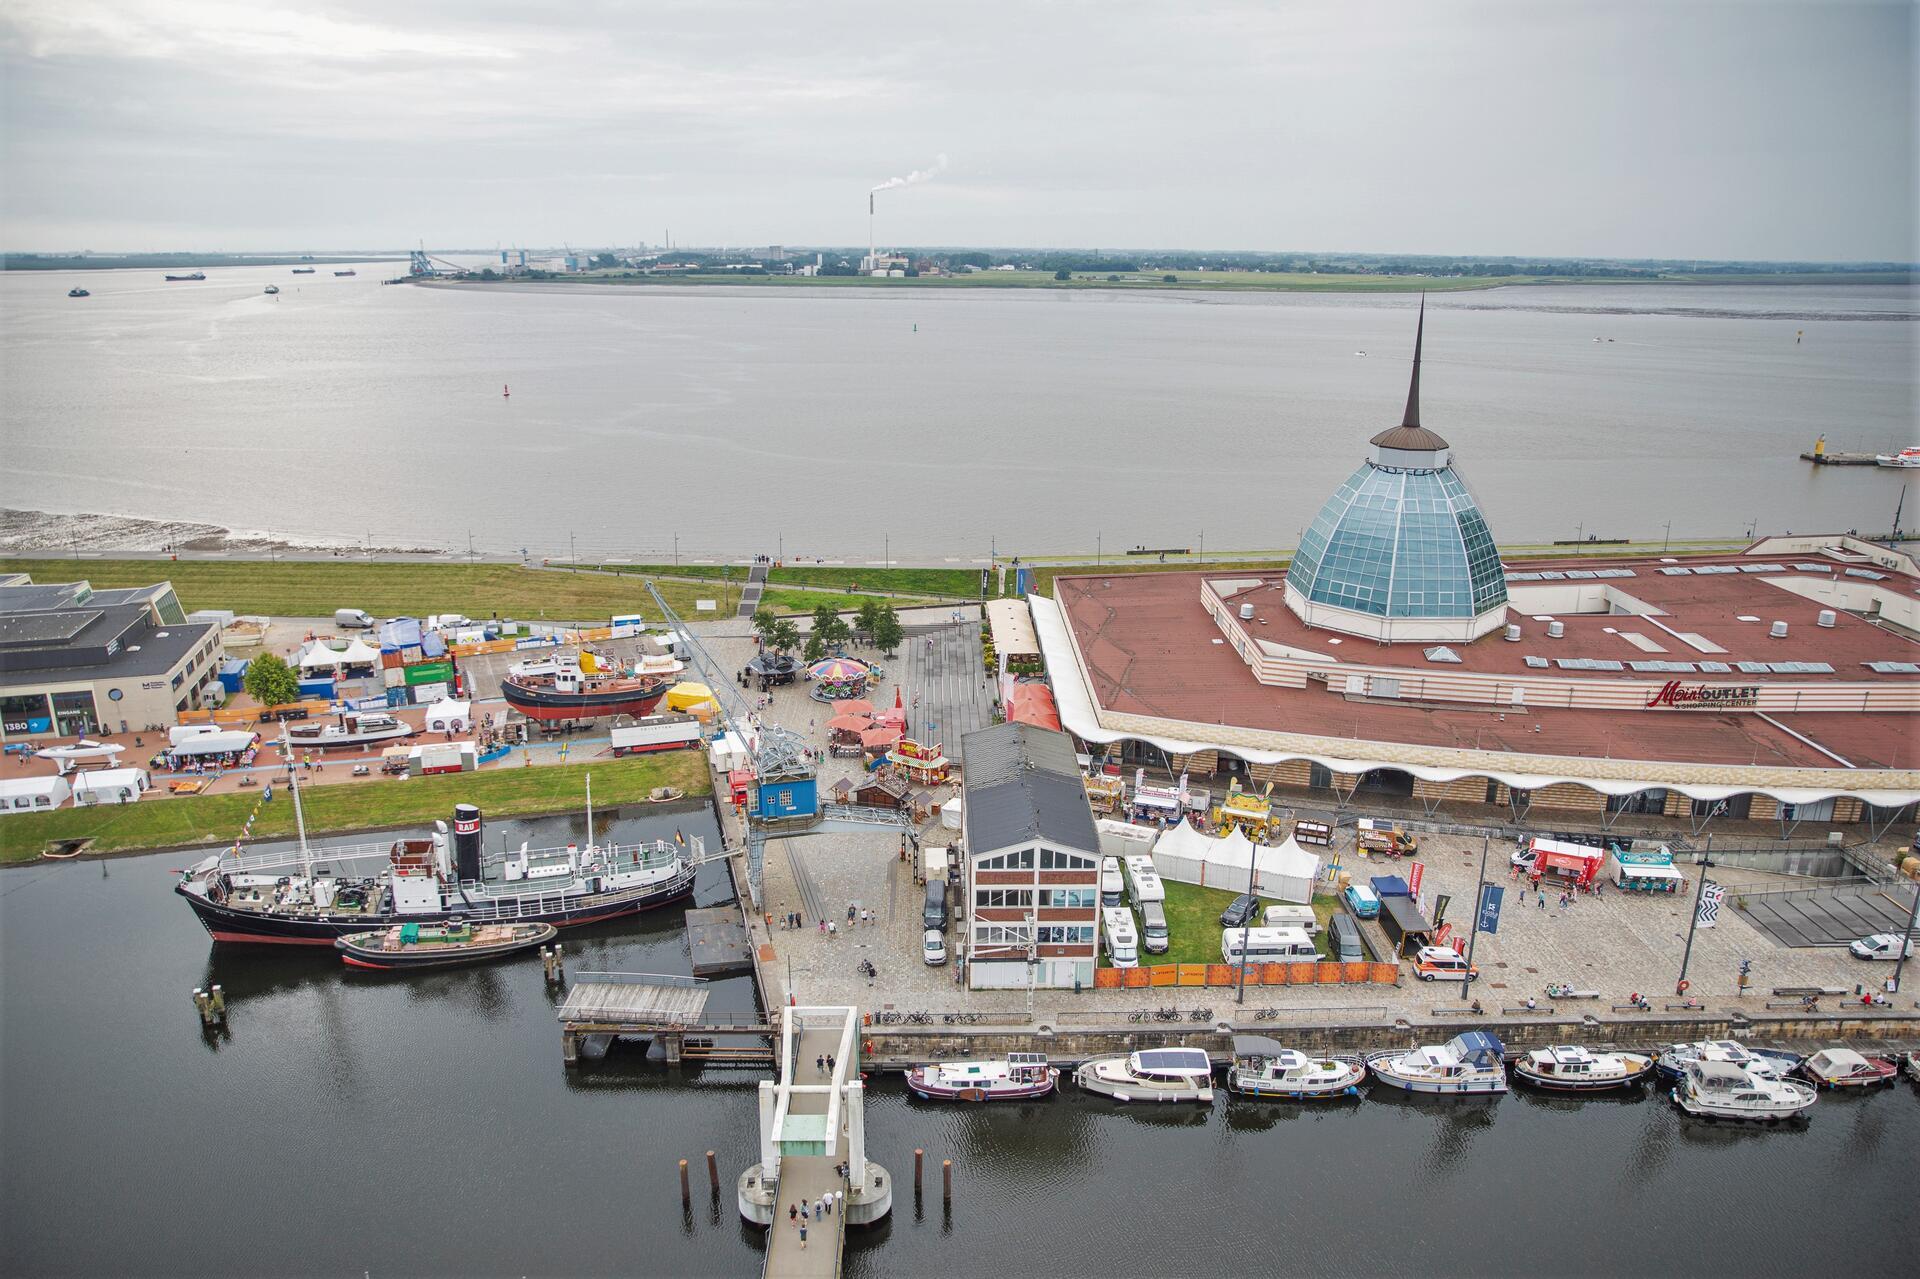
(448, 716)
(1185, 856)
(320, 657)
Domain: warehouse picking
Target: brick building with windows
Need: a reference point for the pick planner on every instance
(1033, 862)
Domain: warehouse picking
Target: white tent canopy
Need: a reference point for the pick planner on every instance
(1186, 856)
(110, 786)
(226, 742)
(360, 653)
(321, 657)
(449, 716)
(25, 794)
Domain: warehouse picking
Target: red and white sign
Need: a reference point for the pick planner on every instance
(1416, 871)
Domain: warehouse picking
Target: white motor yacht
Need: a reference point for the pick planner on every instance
(1153, 1074)
(1471, 1062)
(1722, 1090)
(1906, 457)
(1767, 1063)
(1570, 1068)
(1262, 1067)
(1018, 1077)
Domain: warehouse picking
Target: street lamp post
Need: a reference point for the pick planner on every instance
(1900, 960)
(1246, 930)
(1705, 864)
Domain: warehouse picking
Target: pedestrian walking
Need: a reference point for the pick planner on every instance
(1543, 900)
(823, 925)
(793, 1213)
(851, 915)
(829, 1063)
(803, 1235)
(833, 929)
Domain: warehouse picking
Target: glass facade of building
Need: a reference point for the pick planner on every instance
(1401, 544)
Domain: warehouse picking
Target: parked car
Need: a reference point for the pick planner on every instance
(1239, 911)
(933, 948)
(1343, 940)
(1361, 900)
(1524, 858)
(1438, 963)
(1880, 946)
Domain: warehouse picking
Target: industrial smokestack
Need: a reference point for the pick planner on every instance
(466, 842)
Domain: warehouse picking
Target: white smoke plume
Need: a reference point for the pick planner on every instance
(917, 176)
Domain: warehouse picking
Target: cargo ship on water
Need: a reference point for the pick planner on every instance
(196, 275)
(583, 686)
(314, 897)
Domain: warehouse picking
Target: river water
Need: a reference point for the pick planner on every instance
(864, 424)
(425, 1126)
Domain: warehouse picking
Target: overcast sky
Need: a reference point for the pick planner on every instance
(1676, 129)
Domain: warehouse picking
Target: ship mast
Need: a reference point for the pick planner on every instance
(589, 814)
(299, 814)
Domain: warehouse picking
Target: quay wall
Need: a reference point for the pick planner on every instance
(897, 1047)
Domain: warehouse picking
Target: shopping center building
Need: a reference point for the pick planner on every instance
(1399, 657)
(75, 660)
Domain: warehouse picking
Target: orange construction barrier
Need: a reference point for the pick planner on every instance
(1192, 974)
(1273, 975)
(1330, 973)
(1106, 978)
(1133, 978)
(1303, 973)
(1164, 974)
(1386, 974)
(1227, 975)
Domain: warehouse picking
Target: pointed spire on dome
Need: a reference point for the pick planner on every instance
(1410, 436)
(1412, 417)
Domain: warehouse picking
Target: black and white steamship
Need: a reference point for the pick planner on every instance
(312, 896)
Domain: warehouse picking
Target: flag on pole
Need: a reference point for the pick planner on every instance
(1490, 899)
(1711, 895)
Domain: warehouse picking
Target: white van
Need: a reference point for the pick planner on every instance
(1301, 917)
(1123, 945)
(1110, 882)
(1265, 945)
(352, 619)
(1142, 882)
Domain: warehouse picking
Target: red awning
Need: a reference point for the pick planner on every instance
(877, 737)
(1033, 704)
(1568, 861)
(852, 706)
(849, 723)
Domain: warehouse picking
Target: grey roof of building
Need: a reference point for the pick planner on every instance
(146, 650)
(1022, 783)
(29, 596)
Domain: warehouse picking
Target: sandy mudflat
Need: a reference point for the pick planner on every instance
(46, 531)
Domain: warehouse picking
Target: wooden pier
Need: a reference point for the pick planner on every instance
(670, 1010)
(1841, 459)
(718, 941)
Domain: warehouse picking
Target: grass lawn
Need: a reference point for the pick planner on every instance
(1193, 923)
(308, 588)
(205, 819)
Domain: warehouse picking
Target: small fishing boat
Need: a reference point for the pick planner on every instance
(1020, 1077)
(1768, 1063)
(1910, 1066)
(273, 288)
(439, 945)
(1152, 1074)
(1570, 1068)
(303, 270)
(1721, 1090)
(1471, 1062)
(78, 293)
(1263, 1067)
(1845, 1068)
(348, 271)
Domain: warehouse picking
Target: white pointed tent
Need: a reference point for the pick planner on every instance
(320, 657)
(360, 653)
(1185, 856)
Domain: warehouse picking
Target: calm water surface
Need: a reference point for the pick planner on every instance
(425, 1126)
(859, 424)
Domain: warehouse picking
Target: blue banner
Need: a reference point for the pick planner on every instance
(1491, 896)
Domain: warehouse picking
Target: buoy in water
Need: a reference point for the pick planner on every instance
(506, 391)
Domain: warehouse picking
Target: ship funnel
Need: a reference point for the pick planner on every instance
(466, 841)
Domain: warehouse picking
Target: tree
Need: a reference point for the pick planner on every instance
(1063, 275)
(815, 650)
(828, 627)
(270, 681)
(785, 637)
(887, 632)
(765, 622)
(869, 617)
(1170, 279)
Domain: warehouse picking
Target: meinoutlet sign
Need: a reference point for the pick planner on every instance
(1705, 697)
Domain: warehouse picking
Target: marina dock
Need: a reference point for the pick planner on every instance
(667, 1009)
(718, 942)
(1841, 459)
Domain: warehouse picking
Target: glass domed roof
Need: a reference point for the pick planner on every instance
(1402, 538)
(1401, 543)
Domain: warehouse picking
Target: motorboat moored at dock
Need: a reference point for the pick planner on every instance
(1571, 1068)
(1152, 1074)
(1722, 1090)
(1263, 1067)
(408, 946)
(1907, 457)
(1019, 1077)
(1471, 1062)
(1769, 1063)
(1845, 1068)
